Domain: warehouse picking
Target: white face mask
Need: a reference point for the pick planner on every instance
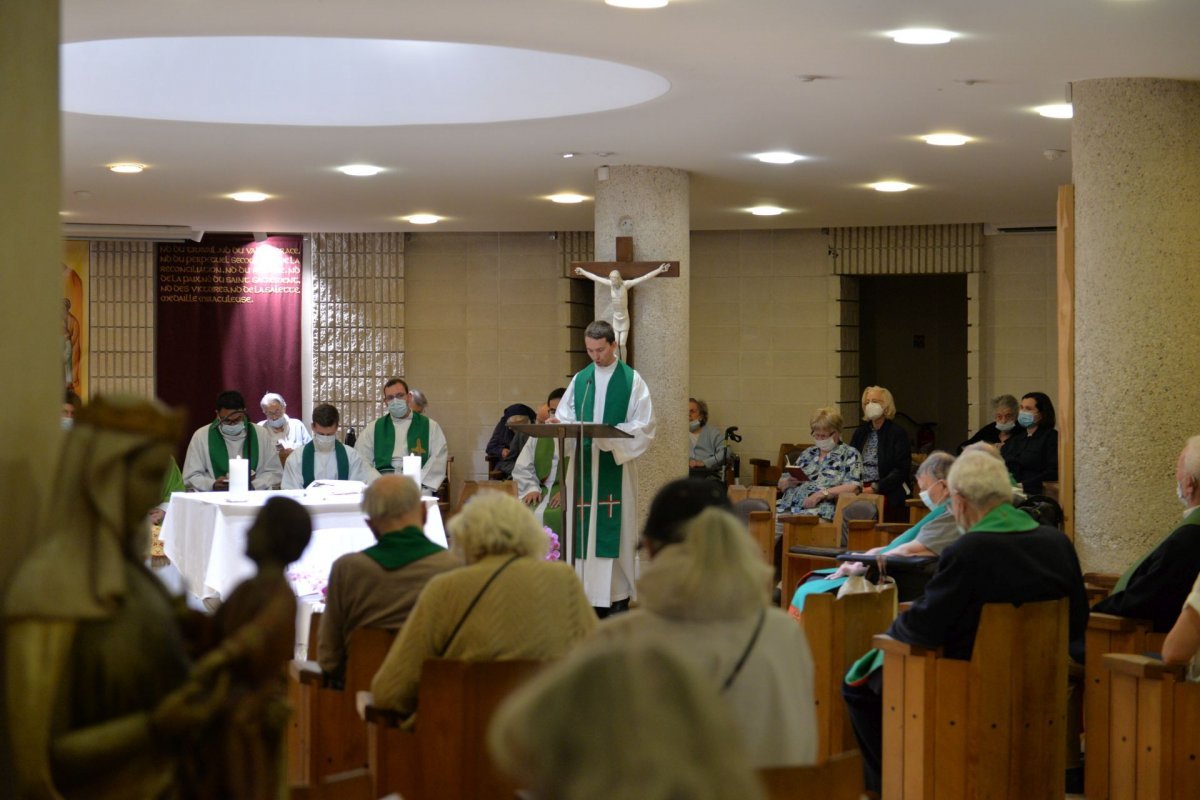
(1180, 494)
(693, 425)
(398, 408)
(66, 423)
(277, 423)
(872, 411)
(824, 444)
(1005, 426)
(237, 431)
(928, 500)
(324, 441)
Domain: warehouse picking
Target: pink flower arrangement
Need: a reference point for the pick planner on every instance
(555, 552)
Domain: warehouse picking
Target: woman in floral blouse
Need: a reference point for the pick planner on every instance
(831, 468)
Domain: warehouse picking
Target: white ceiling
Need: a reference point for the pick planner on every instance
(734, 70)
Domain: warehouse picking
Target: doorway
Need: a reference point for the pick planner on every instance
(913, 340)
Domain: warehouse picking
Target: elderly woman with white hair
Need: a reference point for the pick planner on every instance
(508, 603)
(707, 598)
(286, 433)
(1004, 557)
(620, 721)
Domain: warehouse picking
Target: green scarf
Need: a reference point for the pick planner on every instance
(308, 458)
(385, 441)
(172, 481)
(543, 457)
(218, 453)
(1004, 518)
(396, 549)
(616, 406)
(1191, 519)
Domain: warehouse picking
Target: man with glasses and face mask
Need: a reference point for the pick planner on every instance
(231, 434)
(401, 432)
(285, 432)
(325, 458)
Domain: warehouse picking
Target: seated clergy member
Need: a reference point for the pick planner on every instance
(378, 587)
(536, 471)
(206, 466)
(508, 464)
(1157, 585)
(286, 433)
(507, 603)
(1005, 557)
(325, 458)
(402, 432)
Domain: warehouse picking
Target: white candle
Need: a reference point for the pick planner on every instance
(412, 467)
(239, 478)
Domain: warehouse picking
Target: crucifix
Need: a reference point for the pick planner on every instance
(622, 275)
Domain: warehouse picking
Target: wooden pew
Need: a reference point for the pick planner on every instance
(449, 741)
(837, 778)
(989, 727)
(471, 487)
(328, 736)
(768, 474)
(1106, 634)
(1099, 585)
(761, 525)
(1154, 730)
(801, 530)
(839, 631)
(916, 510)
(864, 535)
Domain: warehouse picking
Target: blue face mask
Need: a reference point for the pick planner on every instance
(1025, 418)
(235, 431)
(398, 408)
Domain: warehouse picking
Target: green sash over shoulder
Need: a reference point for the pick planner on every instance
(308, 459)
(385, 440)
(218, 453)
(396, 549)
(543, 458)
(608, 496)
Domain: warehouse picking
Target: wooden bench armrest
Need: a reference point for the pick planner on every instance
(889, 645)
(1143, 667)
(1108, 579)
(306, 672)
(761, 462)
(892, 529)
(914, 502)
(376, 715)
(799, 519)
(759, 516)
(1111, 622)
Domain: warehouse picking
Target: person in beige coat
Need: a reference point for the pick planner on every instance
(508, 603)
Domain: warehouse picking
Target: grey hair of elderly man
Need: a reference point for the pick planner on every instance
(978, 483)
(272, 397)
(391, 503)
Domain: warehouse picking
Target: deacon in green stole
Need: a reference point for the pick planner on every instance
(536, 472)
(604, 539)
(384, 443)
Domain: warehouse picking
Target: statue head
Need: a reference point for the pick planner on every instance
(617, 280)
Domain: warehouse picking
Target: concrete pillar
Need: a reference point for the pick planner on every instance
(651, 205)
(31, 301)
(1135, 149)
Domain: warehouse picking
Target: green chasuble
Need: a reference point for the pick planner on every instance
(395, 549)
(543, 457)
(616, 406)
(218, 453)
(308, 459)
(1004, 518)
(385, 441)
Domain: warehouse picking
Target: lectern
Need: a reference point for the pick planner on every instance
(576, 431)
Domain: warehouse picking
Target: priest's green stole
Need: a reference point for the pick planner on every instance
(608, 482)
(308, 462)
(385, 441)
(218, 453)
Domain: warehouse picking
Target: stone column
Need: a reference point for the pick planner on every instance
(651, 205)
(31, 301)
(1135, 148)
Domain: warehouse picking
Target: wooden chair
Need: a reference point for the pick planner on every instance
(1099, 585)
(471, 487)
(989, 727)
(768, 474)
(1106, 634)
(328, 737)
(760, 523)
(445, 755)
(443, 491)
(837, 778)
(1154, 730)
(839, 631)
(916, 510)
(800, 530)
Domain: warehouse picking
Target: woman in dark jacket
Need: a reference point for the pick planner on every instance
(1032, 455)
(886, 451)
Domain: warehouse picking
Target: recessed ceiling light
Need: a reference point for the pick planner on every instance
(249, 197)
(423, 219)
(778, 157)
(921, 36)
(636, 3)
(946, 139)
(891, 186)
(569, 155)
(360, 170)
(126, 167)
(766, 211)
(1056, 111)
(567, 197)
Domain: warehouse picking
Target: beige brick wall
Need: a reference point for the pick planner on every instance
(486, 325)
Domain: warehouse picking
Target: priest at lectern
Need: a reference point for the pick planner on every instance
(607, 391)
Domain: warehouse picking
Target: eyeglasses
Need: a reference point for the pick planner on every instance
(229, 419)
